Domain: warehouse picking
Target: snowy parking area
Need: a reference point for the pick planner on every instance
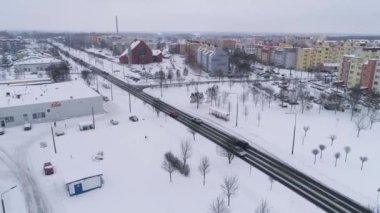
(132, 163)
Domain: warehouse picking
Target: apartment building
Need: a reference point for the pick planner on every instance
(359, 69)
(213, 60)
(284, 57)
(324, 52)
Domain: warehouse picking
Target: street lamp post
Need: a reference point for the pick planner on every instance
(378, 193)
(2, 194)
(294, 131)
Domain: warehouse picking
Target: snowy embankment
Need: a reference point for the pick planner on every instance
(272, 129)
(134, 179)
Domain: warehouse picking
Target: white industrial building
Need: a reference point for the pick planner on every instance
(47, 102)
(35, 64)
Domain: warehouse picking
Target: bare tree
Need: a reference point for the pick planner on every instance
(167, 166)
(192, 132)
(361, 123)
(226, 153)
(305, 129)
(258, 118)
(363, 159)
(332, 139)
(354, 97)
(219, 206)
(315, 153)
(263, 207)
(271, 181)
(230, 187)
(347, 150)
(246, 112)
(204, 168)
(322, 147)
(337, 156)
(185, 151)
(373, 117)
(270, 92)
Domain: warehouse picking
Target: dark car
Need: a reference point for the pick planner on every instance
(48, 168)
(242, 144)
(174, 114)
(133, 118)
(197, 120)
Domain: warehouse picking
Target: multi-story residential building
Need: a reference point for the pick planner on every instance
(324, 52)
(228, 44)
(191, 50)
(355, 67)
(213, 60)
(284, 57)
(10, 45)
(249, 49)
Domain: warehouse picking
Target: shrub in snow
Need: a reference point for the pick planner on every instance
(263, 207)
(177, 164)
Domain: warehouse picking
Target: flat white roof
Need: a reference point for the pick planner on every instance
(74, 170)
(44, 93)
(37, 60)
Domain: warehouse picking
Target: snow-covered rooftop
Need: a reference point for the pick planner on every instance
(36, 94)
(37, 60)
(156, 52)
(134, 44)
(73, 170)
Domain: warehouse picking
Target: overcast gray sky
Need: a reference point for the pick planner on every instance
(291, 16)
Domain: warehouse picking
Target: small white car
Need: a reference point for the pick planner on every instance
(2, 131)
(114, 122)
(59, 133)
(27, 126)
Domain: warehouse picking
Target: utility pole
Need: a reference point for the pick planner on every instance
(294, 130)
(111, 93)
(97, 83)
(130, 106)
(2, 199)
(52, 135)
(93, 117)
(237, 109)
(378, 193)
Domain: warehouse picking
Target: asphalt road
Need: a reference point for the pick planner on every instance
(319, 194)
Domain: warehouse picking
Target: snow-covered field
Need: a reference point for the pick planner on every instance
(275, 132)
(134, 179)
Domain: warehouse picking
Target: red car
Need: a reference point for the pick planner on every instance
(48, 168)
(173, 114)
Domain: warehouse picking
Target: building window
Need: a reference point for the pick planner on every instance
(8, 119)
(39, 115)
(141, 52)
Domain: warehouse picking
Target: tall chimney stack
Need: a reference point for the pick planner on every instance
(117, 26)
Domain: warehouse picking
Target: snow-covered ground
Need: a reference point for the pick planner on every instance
(134, 179)
(275, 132)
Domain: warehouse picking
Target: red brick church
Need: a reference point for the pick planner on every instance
(140, 53)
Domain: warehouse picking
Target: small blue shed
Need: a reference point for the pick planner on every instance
(79, 181)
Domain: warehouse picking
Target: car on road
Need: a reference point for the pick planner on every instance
(197, 120)
(27, 126)
(114, 122)
(59, 133)
(174, 114)
(2, 131)
(48, 168)
(133, 118)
